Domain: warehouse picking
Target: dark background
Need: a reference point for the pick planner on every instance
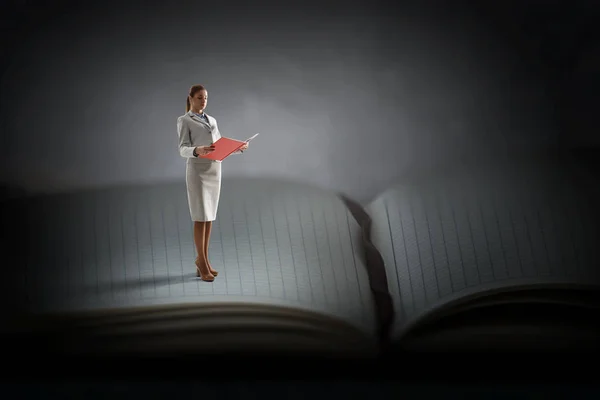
(347, 95)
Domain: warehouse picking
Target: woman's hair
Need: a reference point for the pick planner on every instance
(193, 90)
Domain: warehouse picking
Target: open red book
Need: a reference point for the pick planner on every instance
(225, 146)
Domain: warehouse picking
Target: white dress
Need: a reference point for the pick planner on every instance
(203, 176)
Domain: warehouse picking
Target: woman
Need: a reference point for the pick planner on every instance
(197, 133)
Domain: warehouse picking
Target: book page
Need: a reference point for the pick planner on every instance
(273, 242)
(476, 231)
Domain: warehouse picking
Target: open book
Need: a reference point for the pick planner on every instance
(475, 257)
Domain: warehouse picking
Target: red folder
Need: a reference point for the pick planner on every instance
(224, 147)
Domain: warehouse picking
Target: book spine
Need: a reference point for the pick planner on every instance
(376, 273)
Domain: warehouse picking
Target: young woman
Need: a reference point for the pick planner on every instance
(197, 133)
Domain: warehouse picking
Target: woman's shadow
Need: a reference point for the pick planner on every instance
(139, 285)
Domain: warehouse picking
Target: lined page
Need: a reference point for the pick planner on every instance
(272, 242)
(484, 229)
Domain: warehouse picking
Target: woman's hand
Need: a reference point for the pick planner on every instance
(244, 147)
(204, 150)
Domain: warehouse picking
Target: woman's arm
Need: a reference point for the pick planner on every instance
(186, 150)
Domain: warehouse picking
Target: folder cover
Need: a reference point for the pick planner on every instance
(223, 148)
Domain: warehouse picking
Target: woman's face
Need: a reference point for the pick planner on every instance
(199, 100)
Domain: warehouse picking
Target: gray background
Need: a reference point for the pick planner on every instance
(347, 95)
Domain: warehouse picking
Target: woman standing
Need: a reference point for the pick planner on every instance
(197, 133)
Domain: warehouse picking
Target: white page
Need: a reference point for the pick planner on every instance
(479, 232)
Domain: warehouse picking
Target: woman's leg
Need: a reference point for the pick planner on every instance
(199, 239)
(207, 229)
